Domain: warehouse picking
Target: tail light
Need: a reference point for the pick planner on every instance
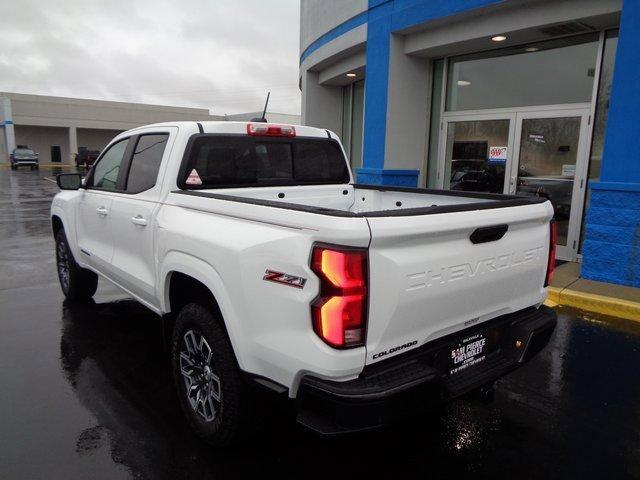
(340, 311)
(267, 130)
(553, 239)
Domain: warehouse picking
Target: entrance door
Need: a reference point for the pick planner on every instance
(550, 160)
(56, 156)
(475, 154)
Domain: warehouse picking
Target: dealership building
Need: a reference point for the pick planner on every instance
(56, 127)
(528, 97)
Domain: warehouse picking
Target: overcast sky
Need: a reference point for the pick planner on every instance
(218, 54)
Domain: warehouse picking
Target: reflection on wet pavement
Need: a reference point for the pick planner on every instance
(86, 393)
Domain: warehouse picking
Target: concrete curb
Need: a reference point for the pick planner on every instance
(615, 307)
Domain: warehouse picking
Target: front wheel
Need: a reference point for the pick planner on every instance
(77, 283)
(207, 377)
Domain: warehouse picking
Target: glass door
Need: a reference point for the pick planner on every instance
(550, 161)
(476, 152)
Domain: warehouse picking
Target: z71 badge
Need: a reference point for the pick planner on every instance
(284, 279)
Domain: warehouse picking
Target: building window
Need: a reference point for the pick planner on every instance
(544, 73)
(434, 123)
(600, 119)
(602, 103)
(352, 121)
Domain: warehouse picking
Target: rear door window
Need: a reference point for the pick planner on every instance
(219, 161)
(145, 162)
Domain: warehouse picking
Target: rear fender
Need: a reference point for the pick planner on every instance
(180, 262)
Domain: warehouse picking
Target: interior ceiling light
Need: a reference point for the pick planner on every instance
(531, 49)
(499, 38)
(464, 83)
(351, 74)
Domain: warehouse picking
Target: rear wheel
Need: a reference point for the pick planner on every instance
(207, 377)
(77, 283)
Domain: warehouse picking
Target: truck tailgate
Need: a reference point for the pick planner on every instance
(428, 279)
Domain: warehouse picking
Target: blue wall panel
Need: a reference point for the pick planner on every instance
(611, 250)
(621, 154)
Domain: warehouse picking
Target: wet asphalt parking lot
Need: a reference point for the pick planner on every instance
(85, 393)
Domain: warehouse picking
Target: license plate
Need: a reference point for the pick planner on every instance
(470, 351)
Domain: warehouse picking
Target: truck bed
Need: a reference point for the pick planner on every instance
(365, 200)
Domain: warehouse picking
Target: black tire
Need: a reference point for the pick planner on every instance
(77, 283)
(228, 423)
(37, 167)
(32, 168)
(13, 167)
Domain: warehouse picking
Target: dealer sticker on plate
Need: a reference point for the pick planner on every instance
(467, 353)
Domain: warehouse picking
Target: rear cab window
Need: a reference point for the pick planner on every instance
(226, 161)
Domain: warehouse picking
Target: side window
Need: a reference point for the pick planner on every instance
(145, 162)
(105, 173)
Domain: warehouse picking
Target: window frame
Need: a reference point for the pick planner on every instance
(125, 166)
(181, 178)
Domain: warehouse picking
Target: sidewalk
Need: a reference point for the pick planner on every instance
(568, 289)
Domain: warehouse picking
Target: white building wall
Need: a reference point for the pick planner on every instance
(272, 117)
(95, 139)
(42, 121)
(41, 139)
(317, 17)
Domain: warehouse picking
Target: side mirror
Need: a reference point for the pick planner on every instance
(69, 181)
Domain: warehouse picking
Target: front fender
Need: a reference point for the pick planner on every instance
(181, 262)
(62, 207)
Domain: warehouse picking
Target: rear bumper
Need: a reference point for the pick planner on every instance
(418, 379)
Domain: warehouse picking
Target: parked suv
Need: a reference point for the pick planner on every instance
(23, 156)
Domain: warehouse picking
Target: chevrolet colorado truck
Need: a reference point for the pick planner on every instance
(272, 268)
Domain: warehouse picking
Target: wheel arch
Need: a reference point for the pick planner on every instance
(56, 224)
(197, 280)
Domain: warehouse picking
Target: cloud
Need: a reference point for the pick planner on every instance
(218, 54)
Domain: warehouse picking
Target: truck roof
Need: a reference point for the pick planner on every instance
(240, 128)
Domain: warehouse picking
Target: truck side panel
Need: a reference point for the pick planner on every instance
(269, 323)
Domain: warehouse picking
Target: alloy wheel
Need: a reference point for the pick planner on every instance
(202, 383)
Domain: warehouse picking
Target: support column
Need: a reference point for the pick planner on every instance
(611, 251)
(9, 132)
(321, 104)
(73, 144)
(376, 89)
(407, 113)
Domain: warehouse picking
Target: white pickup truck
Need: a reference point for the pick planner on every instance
(271, 267)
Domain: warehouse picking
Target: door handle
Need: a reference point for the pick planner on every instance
(139, 220)
(102, 211)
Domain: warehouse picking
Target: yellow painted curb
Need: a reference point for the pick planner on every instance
(590, 302)
(553, 295)
(614, 307)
